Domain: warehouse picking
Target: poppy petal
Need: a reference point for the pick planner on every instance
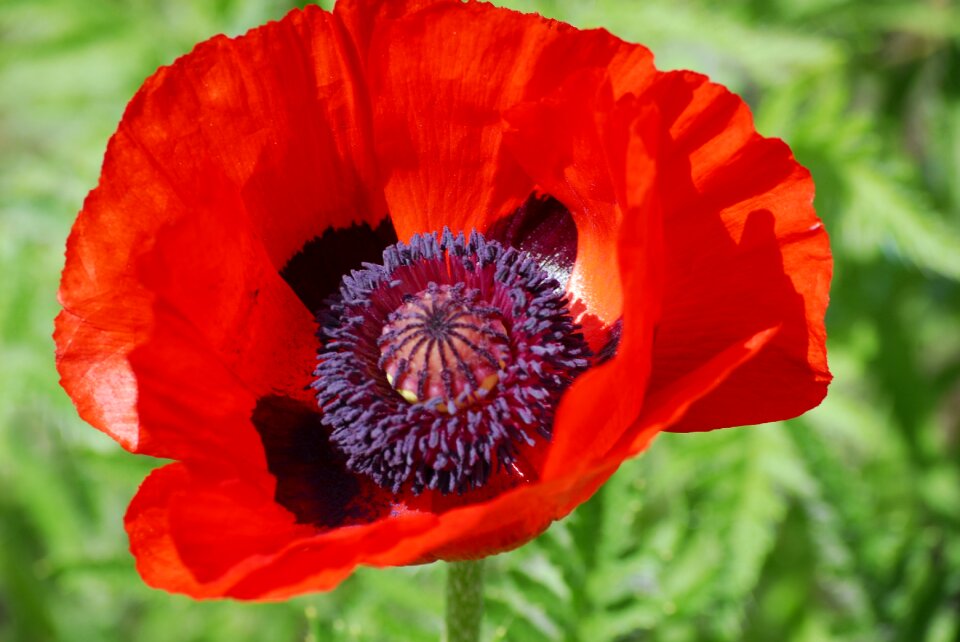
(668, 406)
(190, 406)
(106, 311)
(232, 297)
(361, 17)
(270, 154)
(510, 519)
(573, 168)
(176, 524)
(439, 119)
(744, 250)
(632, 142)
(292, 140)
(177, 520)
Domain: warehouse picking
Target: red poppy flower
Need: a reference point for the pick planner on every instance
(320, 186)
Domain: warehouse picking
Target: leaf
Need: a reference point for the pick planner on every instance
(885, 216)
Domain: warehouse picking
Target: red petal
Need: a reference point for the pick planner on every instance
(668, 406)
(438, 118)
(362, 17)
(558, 142)
(281, 116)
(177, 522)
(224, 165)
(605, 401)
(94, 371)
(235, 302)
(191, 406)
(744, 250)
(106, 310)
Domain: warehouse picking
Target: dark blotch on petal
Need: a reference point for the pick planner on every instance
(312, 479)
(314, 272)
(544, 228)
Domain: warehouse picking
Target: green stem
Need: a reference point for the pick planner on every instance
(464, 601)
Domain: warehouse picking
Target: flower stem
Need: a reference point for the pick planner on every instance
(464, 600)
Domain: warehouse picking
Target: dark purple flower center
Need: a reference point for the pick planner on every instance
(443, 363)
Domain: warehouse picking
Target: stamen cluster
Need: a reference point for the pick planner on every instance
(445, 361)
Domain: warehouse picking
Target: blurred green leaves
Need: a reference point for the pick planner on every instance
(843, 525)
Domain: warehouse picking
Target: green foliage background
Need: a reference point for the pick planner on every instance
(842, 525)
